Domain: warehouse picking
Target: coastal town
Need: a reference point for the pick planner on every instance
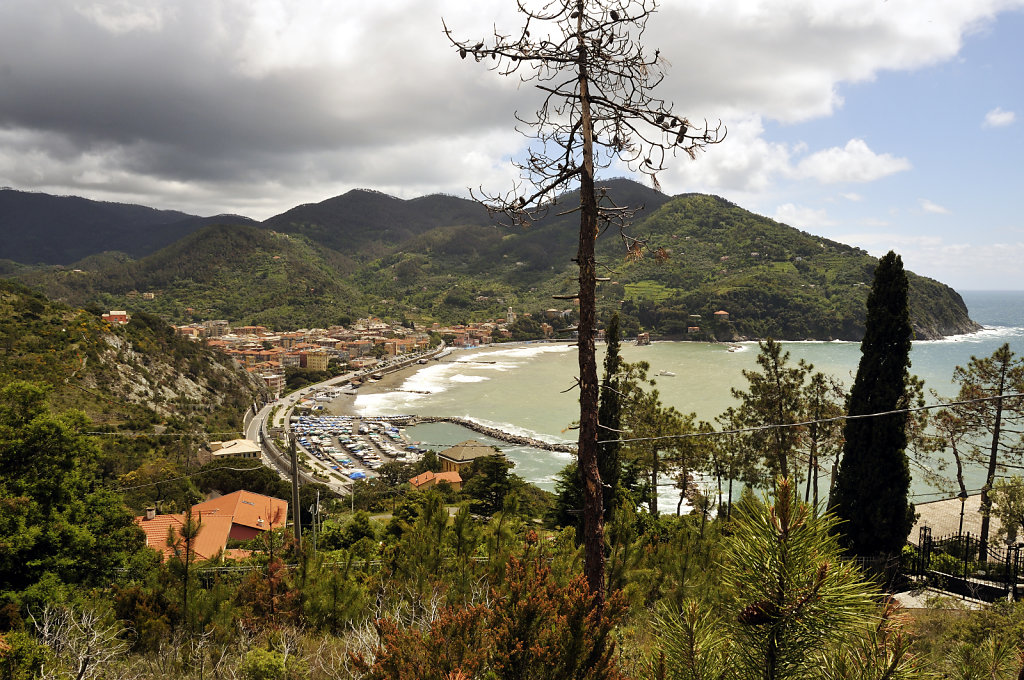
(361, 346)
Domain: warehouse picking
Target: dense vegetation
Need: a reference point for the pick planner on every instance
(485, 582)
(156, 397)
(873, 480)
(441, 258)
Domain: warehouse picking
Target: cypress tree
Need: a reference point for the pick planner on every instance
(873, 480)
(609, 419)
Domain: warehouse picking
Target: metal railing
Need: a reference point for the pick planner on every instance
(965, 564)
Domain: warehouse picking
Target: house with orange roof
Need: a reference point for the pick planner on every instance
(209, 542)
(429, 479)
(250, 513)
(116, 316)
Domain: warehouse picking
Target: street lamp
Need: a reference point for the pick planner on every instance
(963, 499)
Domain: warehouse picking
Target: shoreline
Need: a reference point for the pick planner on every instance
(344, 405)
(393, 379)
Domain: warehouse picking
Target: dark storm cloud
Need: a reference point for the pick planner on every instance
(184, 96)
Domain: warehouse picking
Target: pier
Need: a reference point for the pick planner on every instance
(494, 433)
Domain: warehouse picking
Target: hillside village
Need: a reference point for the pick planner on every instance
(267, 352)
(362, 345)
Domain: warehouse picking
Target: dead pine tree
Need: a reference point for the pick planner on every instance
(597, 109)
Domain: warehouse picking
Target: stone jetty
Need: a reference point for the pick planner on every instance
(495, 433)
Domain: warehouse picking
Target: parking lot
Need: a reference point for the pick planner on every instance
(352, 448)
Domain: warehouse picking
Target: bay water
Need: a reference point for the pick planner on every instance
(528, 388)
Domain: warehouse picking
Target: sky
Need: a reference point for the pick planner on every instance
(884, 124)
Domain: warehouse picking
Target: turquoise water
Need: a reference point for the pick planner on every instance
(528, 388)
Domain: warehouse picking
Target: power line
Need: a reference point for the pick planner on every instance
(762, 428)
(197, 433)
(194, 474)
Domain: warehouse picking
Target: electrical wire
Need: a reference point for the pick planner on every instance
(762, 428)
(194, 474)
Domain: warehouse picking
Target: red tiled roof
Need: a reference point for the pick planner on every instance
(421, 479)
(429, 478)
(452, 477)
(247, 508)
(213, 533)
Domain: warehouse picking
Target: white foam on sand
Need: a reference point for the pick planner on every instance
(386, 403)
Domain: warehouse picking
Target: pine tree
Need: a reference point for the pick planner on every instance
(774, 397)
(790, 605)
(873, 480)
(990, 424)
(599, 107)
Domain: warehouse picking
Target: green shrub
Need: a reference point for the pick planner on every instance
(263, 664)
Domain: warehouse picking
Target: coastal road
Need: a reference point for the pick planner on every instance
(287, 402)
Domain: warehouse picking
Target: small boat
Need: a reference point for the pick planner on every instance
(669, 374)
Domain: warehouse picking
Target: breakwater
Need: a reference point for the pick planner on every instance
(494, 433)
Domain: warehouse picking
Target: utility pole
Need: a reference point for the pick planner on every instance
(296, 510)
(316, 518)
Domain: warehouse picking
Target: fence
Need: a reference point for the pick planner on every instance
(966, 565)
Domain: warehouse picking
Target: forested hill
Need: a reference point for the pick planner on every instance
(220, 272)
(442, 258)
(366, 223)
(123, 377)
(773, 280)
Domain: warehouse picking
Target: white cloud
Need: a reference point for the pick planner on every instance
(853, 163)
(930, 207)
(786, 58)
(999, 118)
(962, 265)
(744, 162)
(851, 196)
(125, 16)
(802, 217)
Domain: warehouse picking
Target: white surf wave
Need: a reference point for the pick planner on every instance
(524, 351)
(461, 378)
(431, 379)
(986, 334)
(386, 403)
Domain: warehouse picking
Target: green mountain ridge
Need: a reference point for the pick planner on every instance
(41, 228)
(443, 258)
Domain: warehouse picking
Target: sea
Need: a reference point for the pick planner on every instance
(528, 388)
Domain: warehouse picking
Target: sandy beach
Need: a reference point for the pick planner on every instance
(343, 405)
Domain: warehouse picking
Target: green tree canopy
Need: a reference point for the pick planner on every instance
(488, 484)
(873, 479)
(991, 427)
(58, 526)
(774, 396)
